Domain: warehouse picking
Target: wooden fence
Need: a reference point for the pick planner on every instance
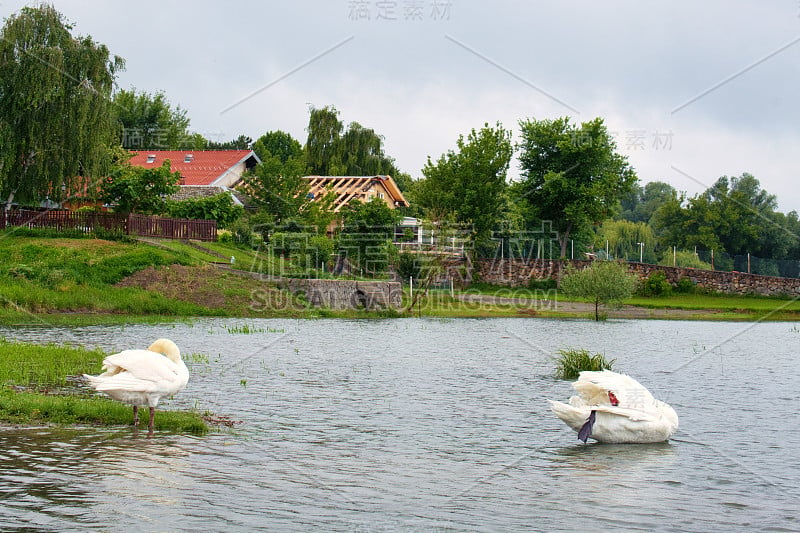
(172, 228)
(145, 226)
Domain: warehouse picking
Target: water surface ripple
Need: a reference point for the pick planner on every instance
(424, 425)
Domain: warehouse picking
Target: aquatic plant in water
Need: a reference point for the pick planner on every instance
(572, 361)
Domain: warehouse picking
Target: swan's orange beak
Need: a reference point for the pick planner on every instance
(613, 399)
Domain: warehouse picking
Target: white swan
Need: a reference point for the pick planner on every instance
(616, 408)
(143, 377)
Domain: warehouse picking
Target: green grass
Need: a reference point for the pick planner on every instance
(245, 259)
(57, 263)
(73, 281)
(45, 366)
(30, 408)
(571, 362)
(24, 294)
(35, 389)
(724, 302)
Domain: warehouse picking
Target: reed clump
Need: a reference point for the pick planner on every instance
(572, 361)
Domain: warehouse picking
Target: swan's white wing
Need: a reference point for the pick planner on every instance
(572, 415)
(142, 364)
(125, 381)
(594, 386)
(635, 415)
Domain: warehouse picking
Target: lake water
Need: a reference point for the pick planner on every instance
(425, 425)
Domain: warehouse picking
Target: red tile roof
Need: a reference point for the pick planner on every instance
(205, 167)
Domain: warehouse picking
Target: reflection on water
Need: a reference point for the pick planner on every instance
(423, 425)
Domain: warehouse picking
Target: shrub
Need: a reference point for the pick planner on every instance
(602, 282)
(656, 284)
(544, 284)
(408, 265)
(220, 207)
(571, 362)
(685, 286)
(685, 259)
(306, 250)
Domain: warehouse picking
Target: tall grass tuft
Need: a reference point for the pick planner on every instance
(571, 362)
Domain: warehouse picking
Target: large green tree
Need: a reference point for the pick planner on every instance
(734, 215)
(572, 175)
(470, 182)
(643, 202)
(276, 186)
(278, 144)
(56, 122)
(149, 122)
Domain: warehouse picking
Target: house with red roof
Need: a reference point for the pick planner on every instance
(205, 168)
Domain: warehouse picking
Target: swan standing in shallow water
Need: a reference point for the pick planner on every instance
(616, 408)
(143, 377)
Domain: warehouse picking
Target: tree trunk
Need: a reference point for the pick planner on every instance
(563, 240)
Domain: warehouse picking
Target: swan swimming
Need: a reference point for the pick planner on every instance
(616, 408)
(143, 377)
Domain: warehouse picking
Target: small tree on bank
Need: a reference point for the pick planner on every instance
(604, 282)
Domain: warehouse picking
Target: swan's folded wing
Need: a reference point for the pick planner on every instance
(628, 391)
(635, 415)
(591, 393)
(123, 382)
(143, 364)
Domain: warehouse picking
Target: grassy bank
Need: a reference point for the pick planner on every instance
(54, 281)
(39, 385)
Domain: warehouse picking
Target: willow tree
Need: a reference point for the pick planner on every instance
(322, 146)
(56, 125)
(333, 151)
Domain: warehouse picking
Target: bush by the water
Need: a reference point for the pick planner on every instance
(656, 284)
(685, 286)
(571, 362)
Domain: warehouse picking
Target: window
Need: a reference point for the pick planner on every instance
(151, 158)
(188, 158)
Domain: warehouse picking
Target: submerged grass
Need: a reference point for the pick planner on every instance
(35, 389)
(572, 361)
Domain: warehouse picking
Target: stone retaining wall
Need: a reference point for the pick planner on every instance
(515, 273)
(347, 294)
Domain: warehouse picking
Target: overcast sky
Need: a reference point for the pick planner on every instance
(692, 90)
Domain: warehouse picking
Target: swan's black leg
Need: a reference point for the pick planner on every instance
(586, 429)
(135, 416)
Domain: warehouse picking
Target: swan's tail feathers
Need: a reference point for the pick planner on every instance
(586, 430)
